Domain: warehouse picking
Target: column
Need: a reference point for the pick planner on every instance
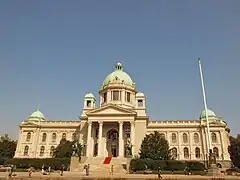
(121, 152)
(191, 155)
(89, 144)
(100, 138)
(133, 137)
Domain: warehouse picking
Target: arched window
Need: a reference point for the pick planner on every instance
(196, 138)
(197, 152)
(174, 153)
(174, 138)
(28, 136)
(162, 135)
(54, 137)
(44, 137)
(185, 138)
(214, 137)
(42, 149)
(186, 153)
(26, 148)
(215, 151)
(64, 136)
(51, 151)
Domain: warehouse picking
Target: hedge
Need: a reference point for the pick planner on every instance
(55, 163)
(165, 165)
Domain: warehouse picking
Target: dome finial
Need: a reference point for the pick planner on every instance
(119, 66)
(38, 107)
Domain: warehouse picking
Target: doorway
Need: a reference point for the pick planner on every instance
(112, 143)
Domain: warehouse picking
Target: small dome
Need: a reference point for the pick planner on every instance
(209, 112)
(118, 74)
(89, 95)
(139, 94)
(37, 115)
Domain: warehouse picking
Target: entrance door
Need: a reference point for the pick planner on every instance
(112, 143)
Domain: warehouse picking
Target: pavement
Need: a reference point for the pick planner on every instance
(101, 176)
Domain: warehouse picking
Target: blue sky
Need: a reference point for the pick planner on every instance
(53, 52)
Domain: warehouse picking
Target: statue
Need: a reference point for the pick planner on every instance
(128, 148)
(212, 157)
(75, 149)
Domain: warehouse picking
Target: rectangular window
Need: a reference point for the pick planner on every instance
(128, 97)
(116, 95)
(140, 103)
(105, 97)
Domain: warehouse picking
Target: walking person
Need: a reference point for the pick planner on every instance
(30, 170)
(49, 170)
(111, 170)
(159, 173)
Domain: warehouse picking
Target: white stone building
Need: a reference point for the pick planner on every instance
(103, 131)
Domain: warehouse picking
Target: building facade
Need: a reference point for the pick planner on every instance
(119, 121)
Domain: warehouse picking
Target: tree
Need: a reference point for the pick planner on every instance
(7, 147)
(65, 149)
(155, 147)
(234, 150)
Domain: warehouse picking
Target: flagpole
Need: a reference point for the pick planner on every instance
(209, 144)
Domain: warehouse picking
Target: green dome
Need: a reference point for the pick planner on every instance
(36, 115)
(89, 95)
(118, 74)
(209, 112)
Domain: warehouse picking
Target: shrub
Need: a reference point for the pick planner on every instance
(165, 165)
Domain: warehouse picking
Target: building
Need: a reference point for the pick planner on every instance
(121, 118)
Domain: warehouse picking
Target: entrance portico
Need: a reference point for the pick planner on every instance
(108, 138)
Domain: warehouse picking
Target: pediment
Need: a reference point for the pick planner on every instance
(111, 110)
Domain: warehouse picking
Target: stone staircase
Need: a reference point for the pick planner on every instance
(96, 165)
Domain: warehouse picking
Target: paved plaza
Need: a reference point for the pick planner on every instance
(101, 176)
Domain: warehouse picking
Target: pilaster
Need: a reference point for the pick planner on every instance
(133, 137)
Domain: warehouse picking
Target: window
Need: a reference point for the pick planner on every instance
(54, 137)
(42, 149)
(185, 138)
(140, 103)
(214, 137)
(44, 137)
(197, 152)
(196, 138)
(116, 95)
(28, 136)
(128, 97)
(105, 97)
(162, 135)
(174, 138)
(26, 148)
(186, 153)
(215, 151)
(73, 136)
(174, 153)
(52, 151)
(64, 136)
(88, 103)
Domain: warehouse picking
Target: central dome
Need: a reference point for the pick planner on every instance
(118, 74)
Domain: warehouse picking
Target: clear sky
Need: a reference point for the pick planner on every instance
(53, 52)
